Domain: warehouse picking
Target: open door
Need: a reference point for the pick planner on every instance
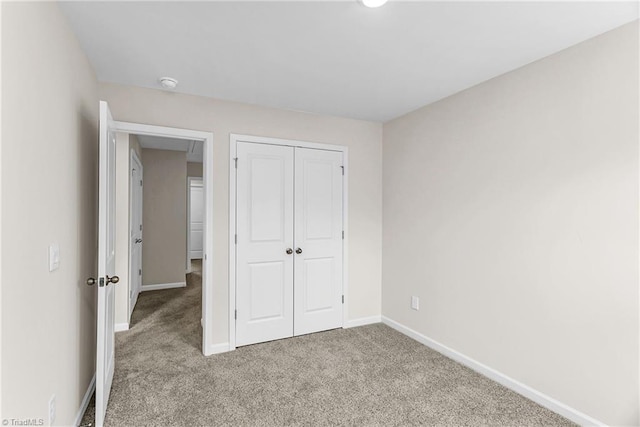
(135, 232)
(105, 360)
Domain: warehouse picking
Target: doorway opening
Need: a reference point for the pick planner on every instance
(112, 132)
(162, 163)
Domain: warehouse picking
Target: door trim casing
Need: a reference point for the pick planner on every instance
(233, 143)
(207, 179)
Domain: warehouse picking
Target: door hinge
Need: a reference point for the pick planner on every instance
(140, 183)
(139, 272)
(140, 227)
(235, 316)
(342, 169)
(101, 282)
(205, 257)
(343, 299)
(342, 234)
(236, 239)
(235, 159)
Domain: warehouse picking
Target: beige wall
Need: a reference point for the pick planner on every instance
(363, 138)
(194, 169)
(49, 147)
(164, 216)
(511, 210)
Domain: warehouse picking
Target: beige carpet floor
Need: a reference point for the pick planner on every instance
(366, 376)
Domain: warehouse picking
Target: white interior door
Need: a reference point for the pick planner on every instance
(135, 232)
(318, 236)
(264, 275)
(105, 360)
(196, 219)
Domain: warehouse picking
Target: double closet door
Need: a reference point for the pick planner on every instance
(289, 242)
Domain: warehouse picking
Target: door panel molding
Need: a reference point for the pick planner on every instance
(234, 140)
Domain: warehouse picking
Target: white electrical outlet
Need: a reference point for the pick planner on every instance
(415, 303)
(52, 409)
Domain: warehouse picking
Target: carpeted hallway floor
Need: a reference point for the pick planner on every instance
(370, 375)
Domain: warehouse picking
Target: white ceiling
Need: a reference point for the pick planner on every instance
(335, 57)
(194, 149)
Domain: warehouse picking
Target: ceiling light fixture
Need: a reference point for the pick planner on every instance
(168, 82)
(373, 3)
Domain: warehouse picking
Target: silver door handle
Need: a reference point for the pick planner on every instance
(138, 241)
(299, 251)
(289, 251)
(114, 279)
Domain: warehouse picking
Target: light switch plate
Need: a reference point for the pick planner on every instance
(415, 303)
(54, 257)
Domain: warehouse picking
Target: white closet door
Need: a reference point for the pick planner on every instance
(318, 234)
(264, 287)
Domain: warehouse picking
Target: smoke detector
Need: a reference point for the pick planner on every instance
(168, 82)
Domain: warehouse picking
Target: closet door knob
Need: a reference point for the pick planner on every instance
(299, 251)
(289, 251)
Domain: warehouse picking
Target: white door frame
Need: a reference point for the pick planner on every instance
(133, 159)
(189, 180)
(207, 182)
(233, 143)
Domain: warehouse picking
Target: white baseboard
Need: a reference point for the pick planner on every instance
(121, 327)
(160, 286)
(362, 321)
(520, 388)
(85, 401)
(217, 348)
